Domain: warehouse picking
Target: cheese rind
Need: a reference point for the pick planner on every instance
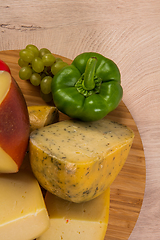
(76, 160)
(23, 211)
(68, 220)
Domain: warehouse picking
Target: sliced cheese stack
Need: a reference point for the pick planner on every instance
(41, 116)
(23, 214)
(77, 161)
(80, 221)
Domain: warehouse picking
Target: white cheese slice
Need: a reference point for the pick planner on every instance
(6, 163)
(77, 221)
(23, 214)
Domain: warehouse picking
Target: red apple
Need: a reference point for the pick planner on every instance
(14, 124)
(4, 66)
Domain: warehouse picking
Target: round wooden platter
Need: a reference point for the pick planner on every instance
(127, 191)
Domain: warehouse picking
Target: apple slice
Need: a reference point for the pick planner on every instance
(14, 124)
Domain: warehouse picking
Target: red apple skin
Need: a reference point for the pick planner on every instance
(14, 124)
(4, 67)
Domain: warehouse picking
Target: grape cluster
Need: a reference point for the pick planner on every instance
(39, 66)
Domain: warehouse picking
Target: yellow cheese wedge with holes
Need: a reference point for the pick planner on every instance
(78, 161)
(41, 116)
(23, 213)
(77, 221)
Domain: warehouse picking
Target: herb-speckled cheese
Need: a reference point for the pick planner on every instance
(77, 161)
(40, 116)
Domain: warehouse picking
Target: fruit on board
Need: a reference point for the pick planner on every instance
(39, 66)
(41, 116)
(14, 124)
(4, 66)
(76, 160)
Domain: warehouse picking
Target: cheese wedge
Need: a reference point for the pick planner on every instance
(23, 214)
(41, 116)
(76, 160)
(80, 221)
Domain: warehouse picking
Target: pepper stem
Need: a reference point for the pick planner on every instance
(88, 82)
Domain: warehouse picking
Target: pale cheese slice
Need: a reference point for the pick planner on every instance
(78, 221)
(6, 163)
(4, 85)
(23, 213)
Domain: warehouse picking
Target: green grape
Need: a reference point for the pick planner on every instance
(57, 66)
(35, 79)
(25, 73)
(34, 49)
(27, 55)
(43, 51)
(37, 64)
(59, 59)
(22, 63)
(46, 84)
(46, 97)
(48, 59)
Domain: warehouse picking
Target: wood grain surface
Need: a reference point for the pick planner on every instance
(127, 191)
(127, 32)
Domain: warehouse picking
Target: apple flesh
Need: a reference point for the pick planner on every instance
(14, 124)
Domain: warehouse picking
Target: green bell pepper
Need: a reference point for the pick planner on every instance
(89, 88)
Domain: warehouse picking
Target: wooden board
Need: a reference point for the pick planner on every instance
(127, 191)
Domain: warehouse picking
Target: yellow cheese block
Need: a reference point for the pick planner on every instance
(77, 161)
(23, 214)
(77, 221)
(41, 116)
